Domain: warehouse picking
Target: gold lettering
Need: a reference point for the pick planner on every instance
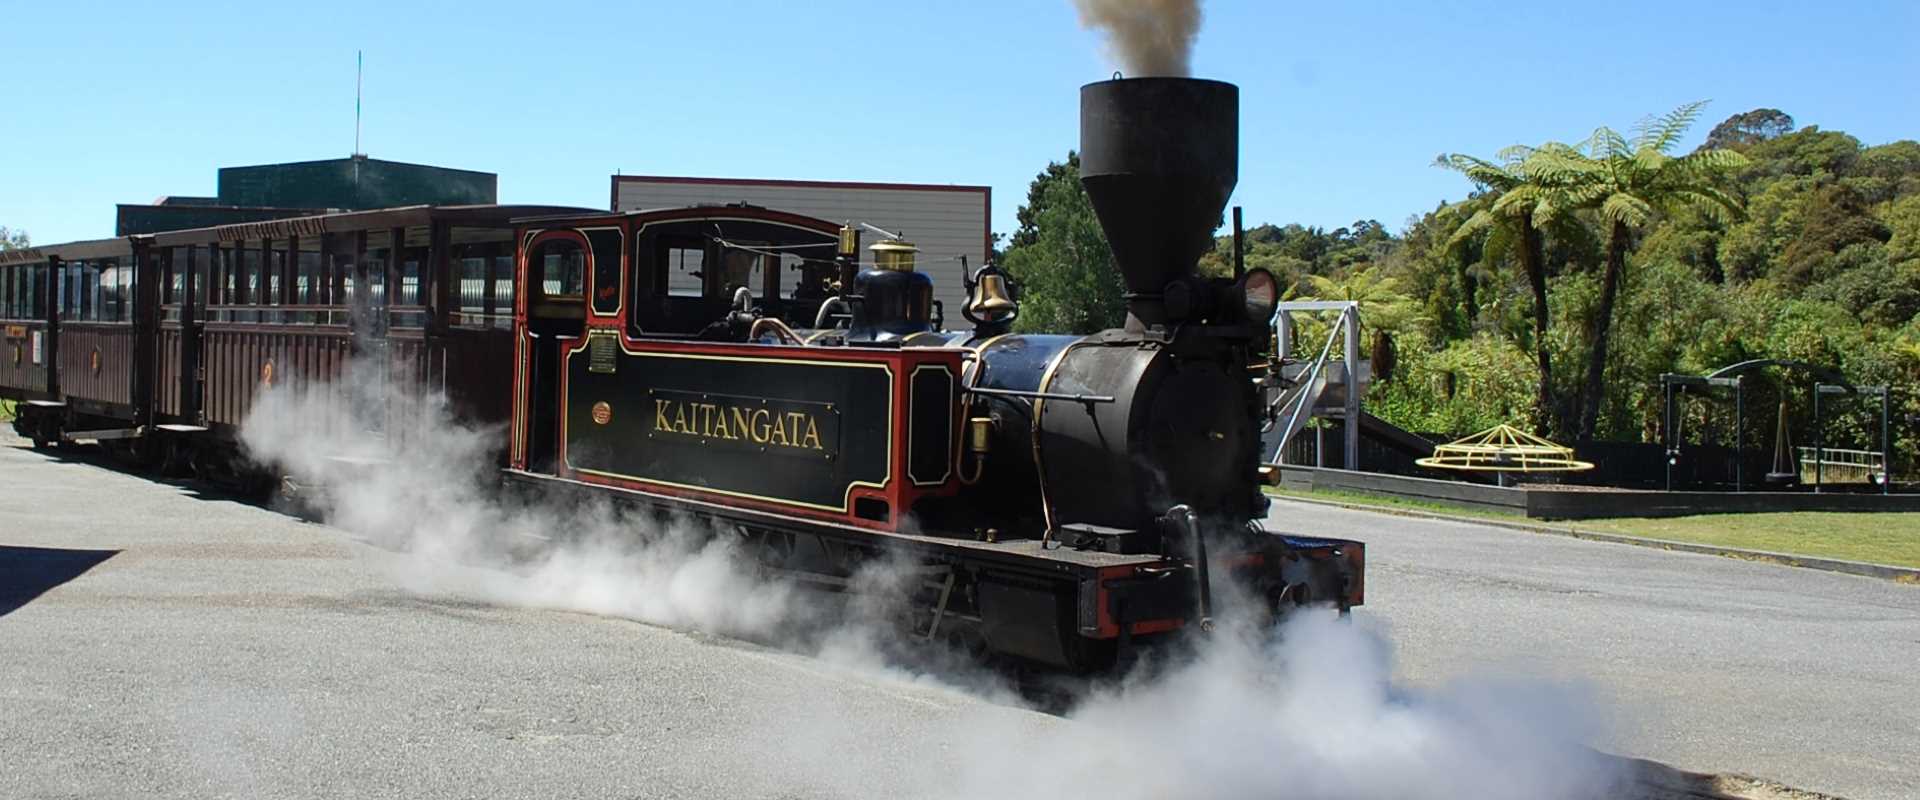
(761, 425)
(740, 430)
(780, 432)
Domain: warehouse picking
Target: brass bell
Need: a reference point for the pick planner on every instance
(990, 297)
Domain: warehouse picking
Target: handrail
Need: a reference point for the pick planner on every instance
(1300, 399)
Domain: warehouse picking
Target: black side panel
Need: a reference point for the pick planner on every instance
(930, 426)
(606, 270)
(769, 429)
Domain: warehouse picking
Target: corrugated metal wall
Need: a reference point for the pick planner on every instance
(19, 375)
(96, 361)
(944, 221)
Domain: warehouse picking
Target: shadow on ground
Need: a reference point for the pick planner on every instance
(28, 572)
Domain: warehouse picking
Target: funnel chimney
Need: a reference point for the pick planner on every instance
(1158, 157)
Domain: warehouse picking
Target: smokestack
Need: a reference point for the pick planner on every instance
(1158, 157)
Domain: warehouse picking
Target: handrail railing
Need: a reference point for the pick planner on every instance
(1304, 396)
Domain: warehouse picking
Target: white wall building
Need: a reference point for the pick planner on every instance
(945, 222)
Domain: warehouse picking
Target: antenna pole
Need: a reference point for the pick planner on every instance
(359, 69)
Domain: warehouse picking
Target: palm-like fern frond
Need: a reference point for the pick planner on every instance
(1625, 208)
(1482, 172)
(1475, 225)
(1660, 134)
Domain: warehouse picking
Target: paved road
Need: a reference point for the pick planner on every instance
(1806, 677)
(225, 650)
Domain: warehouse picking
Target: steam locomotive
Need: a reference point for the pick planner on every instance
(1063, 492)
(1065, 498)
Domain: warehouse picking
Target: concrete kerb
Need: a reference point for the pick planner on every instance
(1889, 572)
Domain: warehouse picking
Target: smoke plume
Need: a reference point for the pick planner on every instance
(1309, 711)
(1147, 37)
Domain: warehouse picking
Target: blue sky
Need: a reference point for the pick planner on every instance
(1344, 105)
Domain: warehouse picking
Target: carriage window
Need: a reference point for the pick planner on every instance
(409, 295)
(176, 279)
(345, 250)
(76, 295)
(409, 291)
(378, 251)
(275, 279)
(248, 281)
(482, 261)
(112, 284)
(38, 278)
(306, 288)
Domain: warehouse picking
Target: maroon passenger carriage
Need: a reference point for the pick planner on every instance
(158, 344)
(70, 348)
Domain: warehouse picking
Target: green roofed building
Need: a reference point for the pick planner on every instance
(354, 183)
(272, 191)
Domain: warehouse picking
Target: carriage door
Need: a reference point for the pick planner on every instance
(555, 287)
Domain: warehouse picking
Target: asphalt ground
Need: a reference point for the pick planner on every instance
(1708, 663)
(201, 647)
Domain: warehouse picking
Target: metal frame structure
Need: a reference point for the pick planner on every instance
(1828, 381)
(1348, 327)
(1820, 431)
(1670, 420)
(1502, 449)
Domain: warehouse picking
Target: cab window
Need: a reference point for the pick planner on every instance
(557, 274)
(685, 261)
(559, 267)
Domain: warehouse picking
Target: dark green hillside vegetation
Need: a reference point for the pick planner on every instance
(1571, 275)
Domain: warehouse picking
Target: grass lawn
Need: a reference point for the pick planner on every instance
(1396, 503)
(1892, 538)
(6, 410)
(1887, 538)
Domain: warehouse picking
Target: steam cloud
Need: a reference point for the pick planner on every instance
(1311, 712)
(1147, 37)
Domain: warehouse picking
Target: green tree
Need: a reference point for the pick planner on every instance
(1061, 259)
(1630, 183)
(1833, 219)
(1752, 127)
(13, 240)
(1379, 295)
(1516, 210)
